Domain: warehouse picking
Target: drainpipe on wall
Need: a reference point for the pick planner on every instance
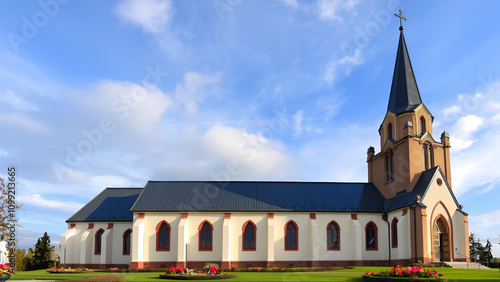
(389, 236)
(415, 230)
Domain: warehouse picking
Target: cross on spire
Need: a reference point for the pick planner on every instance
(401, 18)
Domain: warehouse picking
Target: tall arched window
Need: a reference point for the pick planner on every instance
(98, 241)
(394, 231)
(333, 236)
(127, 238)
(422, 125)
(205, 236)
(428, 156)
(163, 236)
(291, 236)
(389, 131)
(392, 165)
(371, 236)
(388, 168)
(249, 236)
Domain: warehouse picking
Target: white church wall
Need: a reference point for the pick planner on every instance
(382, 252)
(152, 220)
(302, 221)
(440, 202)
(346, 239)
(193, 252)
(117, 256)
(237, 222)
(95, 259)
(402, 251)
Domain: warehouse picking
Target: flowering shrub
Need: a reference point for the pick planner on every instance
(411, 272)
(175, 270)
(211, 270)
(256, 269)
(113, 268)
(6, 269)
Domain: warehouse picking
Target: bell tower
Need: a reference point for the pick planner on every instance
(407, 146)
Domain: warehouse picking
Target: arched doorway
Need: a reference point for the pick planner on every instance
(441, 242)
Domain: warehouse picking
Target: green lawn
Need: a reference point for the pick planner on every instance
(462, 275)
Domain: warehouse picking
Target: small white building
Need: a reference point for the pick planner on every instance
(406, 212)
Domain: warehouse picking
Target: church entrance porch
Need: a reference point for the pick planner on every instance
(441, 242)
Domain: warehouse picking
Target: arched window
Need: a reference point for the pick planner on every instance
(333, 236)
(389, 131)
(98, 241)
(422, 125)
(205, 236)
(394, 231)
(249, 236)
(428, 156)
(163, 236)
(388, 168)
(392, 165)
(371, 236)
(127, 238)
(291, 236)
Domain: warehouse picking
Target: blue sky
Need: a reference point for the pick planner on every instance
(97, 94)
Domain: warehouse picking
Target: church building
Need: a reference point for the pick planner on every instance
(406, 212)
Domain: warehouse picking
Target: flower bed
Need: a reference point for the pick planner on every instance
(209, 273)
(69, 270)
(400, 273)
(6, 269)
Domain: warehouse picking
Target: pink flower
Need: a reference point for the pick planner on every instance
(407, 271)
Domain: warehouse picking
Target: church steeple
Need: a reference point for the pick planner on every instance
(407, 147)
(404, 90)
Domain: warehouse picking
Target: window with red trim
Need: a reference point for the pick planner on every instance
(205, 236)
(333, 236)
(98, 241)
(291, 236)
(127, 238)
(163, 236)
(394, 231)
(249, 236)
(371, 236)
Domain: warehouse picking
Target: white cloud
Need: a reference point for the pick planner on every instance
(17, 102)
(227, 153)
(342, 67)
(137, 107)
(463, 131)
(291, 3)
(193, 89)
(23, 122)
(151, 15)
(39, 201)
(298, 122)
(331, 9)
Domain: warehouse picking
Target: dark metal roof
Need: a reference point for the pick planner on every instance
(406, 199)
(112, 204)
(259, 196)
(404, 90)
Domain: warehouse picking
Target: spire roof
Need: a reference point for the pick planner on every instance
(404, 90)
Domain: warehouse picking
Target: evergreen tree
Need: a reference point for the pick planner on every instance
(475, 247)
(42, 257)
(487, 256)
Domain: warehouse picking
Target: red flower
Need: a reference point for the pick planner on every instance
(258, 269)
(428, 271)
